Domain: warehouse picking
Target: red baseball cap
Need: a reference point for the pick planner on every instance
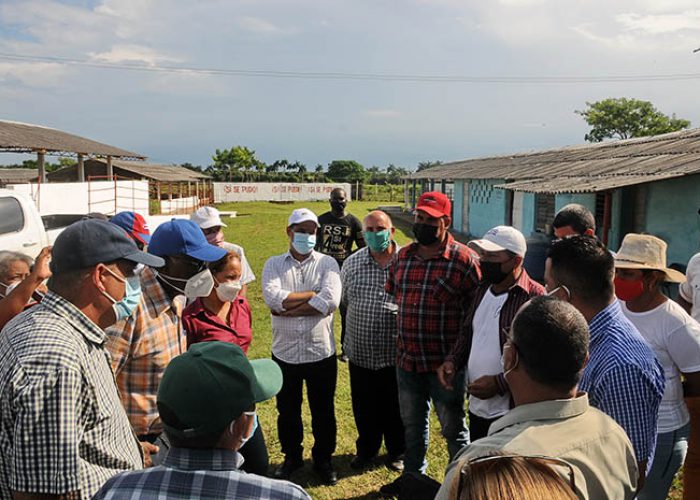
(435, 204)
(134, 224)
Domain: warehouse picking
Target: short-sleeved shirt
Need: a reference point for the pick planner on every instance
(62, 426)
(201, 325)
(624, 379)
(200, 474)
(432, 295)
(336, 235)
(370, 320)
(568, 429)
(247, 274)
(675, 338)
(142, 347)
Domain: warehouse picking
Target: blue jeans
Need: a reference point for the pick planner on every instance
(415, 392)
(671, 448)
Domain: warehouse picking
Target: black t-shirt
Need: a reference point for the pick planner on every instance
(336, 235)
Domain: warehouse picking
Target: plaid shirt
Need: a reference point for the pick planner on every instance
(141, 348)
(624, 379)
(370, 321)
(432, 296)
(62, 427)
(523, 290)
(202, 474)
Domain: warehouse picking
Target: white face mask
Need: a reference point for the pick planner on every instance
(194, 286)
(245, 439)
(228, 290)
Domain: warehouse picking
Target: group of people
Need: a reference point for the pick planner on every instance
(128, 374)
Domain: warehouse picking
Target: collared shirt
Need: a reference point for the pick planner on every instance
(523, 290)
(592, 443)
(62, 426)
(623, 378)
(201, 325)
(142, 347)
(432, 295)
(302, 339)
(370, 320)
(247, 274)
(202, 474)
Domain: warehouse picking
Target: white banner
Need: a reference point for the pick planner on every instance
(274, 191)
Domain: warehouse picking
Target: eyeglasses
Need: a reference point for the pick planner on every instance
(552, 462)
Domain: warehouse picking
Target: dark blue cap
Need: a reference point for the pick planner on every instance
(90, 242)
(183, 237)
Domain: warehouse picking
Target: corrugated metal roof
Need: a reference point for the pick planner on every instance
(678, 152)
(26, 138)
(586, 184)
(158, 171)
(18, 175)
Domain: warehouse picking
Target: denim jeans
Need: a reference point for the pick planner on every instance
(671, 448)
(416, 390)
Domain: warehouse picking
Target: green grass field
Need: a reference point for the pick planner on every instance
(260, 229)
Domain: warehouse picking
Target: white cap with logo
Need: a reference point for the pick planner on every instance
(206, 217)
(302, 215)
(502, 238)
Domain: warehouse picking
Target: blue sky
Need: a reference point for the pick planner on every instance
(175, 117)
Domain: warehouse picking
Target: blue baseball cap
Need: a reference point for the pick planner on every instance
(182, 236)
(134, 224)
(89, 242)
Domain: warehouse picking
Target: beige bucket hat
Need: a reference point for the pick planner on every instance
(644, 251)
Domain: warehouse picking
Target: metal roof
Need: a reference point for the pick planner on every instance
(18, 175)
(677, 152)
(18, 137)
(586, 184)
(157, 171)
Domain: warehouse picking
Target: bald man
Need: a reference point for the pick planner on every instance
(370, 344)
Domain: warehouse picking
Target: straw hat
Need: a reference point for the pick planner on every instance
(644, 251)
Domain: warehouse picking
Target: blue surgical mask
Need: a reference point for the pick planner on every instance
(304, 243)
(132, 296)
(379, 241)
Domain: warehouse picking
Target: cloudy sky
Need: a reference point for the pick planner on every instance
(401, 117)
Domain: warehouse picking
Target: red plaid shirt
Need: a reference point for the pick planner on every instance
(432, 296)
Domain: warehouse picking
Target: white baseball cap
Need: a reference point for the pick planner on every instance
(502, 238)
(206, 217)
(302, 215)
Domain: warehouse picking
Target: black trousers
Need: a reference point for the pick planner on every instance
(320, 378)
(343, 309)
(375, 404)
(255, 453)
(479, 426)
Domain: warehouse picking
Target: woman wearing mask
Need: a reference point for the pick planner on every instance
(209, 221)
(640, 272)
(221, 313)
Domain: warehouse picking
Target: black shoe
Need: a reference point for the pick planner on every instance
(392, 489)
(288, 467)
(394, 462)
(359, 462)
(326, 473)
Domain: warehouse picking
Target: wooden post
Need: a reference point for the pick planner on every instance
(40, 158)
(110, 169)
(81, 168)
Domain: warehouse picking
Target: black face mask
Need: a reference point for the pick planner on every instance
(425, 234)
(492, 273)
(338, 206)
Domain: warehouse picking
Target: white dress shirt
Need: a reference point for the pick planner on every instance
(302, 339)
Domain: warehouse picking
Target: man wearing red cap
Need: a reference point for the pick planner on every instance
(432, 281)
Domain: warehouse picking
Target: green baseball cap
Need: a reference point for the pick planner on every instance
(212, 384)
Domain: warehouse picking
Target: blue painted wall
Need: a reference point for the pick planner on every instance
(457, 204)
(585, 199)
(528, 209)
(487, 205)
(672, 215)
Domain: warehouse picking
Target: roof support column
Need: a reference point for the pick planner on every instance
(110, 168)
(413, 193)
(81, 168)
(40, 158)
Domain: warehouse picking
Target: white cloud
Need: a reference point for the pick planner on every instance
(660, 24)
(259, 26)
(132, 53)
(37, 75)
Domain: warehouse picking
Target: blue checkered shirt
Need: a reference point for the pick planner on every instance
(202, 474)
(624, 379)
